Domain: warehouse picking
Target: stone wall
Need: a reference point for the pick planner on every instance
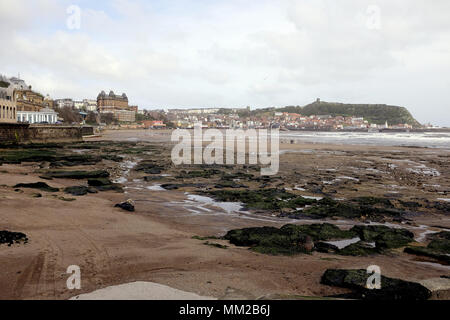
(87, 131)
(24, 133)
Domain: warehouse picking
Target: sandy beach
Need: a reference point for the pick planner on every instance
(155, 243)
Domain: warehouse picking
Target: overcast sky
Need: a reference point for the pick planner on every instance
(234, 53)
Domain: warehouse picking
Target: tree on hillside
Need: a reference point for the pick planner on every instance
(92, 118)
(107, 118)
(68, 114)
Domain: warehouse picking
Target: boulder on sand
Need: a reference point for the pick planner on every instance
(127, 205)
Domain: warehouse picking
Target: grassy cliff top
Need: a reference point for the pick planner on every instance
(374, 113)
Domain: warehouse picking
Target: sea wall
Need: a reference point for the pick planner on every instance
(25, 133)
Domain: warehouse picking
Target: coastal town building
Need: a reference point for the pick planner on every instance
(28, 100)
(90, 105)
(79, 105)
(45, 115)
(8, 108)
(154, 124)
(117, 105)
(64, 103)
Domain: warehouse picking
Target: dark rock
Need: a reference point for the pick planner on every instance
(174, 186)
(9, 238)
(153, 178)
(391, 289)
(77, 190)
(170, 186)
(99, 182)
(77, 174)
(127, 206)
(38, 185)
(325, 247)
(104, 184)
(149, 167)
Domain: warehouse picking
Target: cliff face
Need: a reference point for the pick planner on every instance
(374, 113)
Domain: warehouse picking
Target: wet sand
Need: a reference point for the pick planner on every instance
(154, 244)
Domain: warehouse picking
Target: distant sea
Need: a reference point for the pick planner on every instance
(422, 139)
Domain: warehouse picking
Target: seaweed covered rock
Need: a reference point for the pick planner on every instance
(383, 236)
(441, 245)
(270, 240)
(289, 239)
(9, 238)
(358, 208)
(251, 236)
(438, 248)
(430, 253)
(440, 242)
(37, 185)
(37, 153)
(358, 249)
(322, 231)
(300, 207)
(27, 155)
(391, 289)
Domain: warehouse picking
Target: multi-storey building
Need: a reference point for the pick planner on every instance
(117, 105)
